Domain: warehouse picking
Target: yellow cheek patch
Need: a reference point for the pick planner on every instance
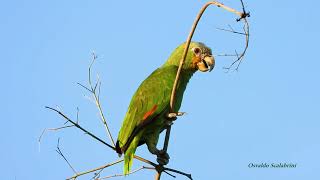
(195, 61)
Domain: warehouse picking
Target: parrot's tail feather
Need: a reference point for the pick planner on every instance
(129, 154)
(128, 159)
(118, 148)
(146, 121)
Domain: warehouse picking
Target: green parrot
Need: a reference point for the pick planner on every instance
(149, 107)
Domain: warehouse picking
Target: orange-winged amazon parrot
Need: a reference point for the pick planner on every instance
(150, 105)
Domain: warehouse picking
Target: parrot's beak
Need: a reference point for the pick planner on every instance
(206, 64)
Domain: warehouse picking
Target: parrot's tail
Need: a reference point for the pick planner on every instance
(128, 156)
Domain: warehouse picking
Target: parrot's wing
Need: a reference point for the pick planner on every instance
(150, 100)
(148, 118)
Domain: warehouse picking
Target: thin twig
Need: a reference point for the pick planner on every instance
(96, 97)
(97, 174)
(145, 160)
(245, 33)
(169, 174)
(232, 31)
(85, 87)
(240, 57)
(178, 172)
(81, 128)
(120, 175)
(225, 55)
(95, 169)
(61, 154)
(51, 129)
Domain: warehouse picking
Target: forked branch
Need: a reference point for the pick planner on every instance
(96, 96)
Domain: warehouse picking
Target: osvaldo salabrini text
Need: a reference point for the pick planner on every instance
(272, 165)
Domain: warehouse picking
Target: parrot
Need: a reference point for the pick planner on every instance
(149, 107)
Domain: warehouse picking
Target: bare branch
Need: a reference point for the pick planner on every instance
(79, 127)
(95, 169)
(246, 28)
(245, 32)
(119, 175)
(178, 172)
(51, 129)
(169, 174)
(96, 97)
(85, 87)
(145, 160)
(61, 154)
(77, 115)
(226, 55)
(99, 90)
(232, 31)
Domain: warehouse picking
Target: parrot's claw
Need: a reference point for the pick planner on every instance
(169, 122)
(162, 157)
(173, 116)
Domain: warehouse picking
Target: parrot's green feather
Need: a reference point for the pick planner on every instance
(128, 156)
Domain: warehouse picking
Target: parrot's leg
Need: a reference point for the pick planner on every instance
(162, 157)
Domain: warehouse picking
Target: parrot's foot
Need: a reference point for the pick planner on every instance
(162, 157)
(173, 116)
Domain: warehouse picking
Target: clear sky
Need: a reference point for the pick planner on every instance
(267, 112)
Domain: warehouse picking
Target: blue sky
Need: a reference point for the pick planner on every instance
(268, 111)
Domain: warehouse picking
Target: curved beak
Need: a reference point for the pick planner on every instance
(206, 64)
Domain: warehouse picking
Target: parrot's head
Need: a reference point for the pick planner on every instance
(199, 57)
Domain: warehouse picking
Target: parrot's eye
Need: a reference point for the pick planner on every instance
(196, 51)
